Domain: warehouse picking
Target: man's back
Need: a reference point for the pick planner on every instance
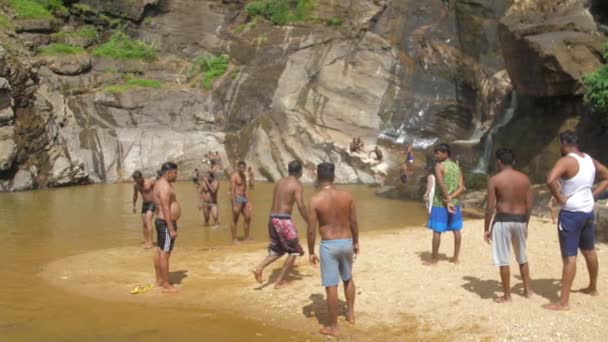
(335, 213)
(284, 195)
(512, 188)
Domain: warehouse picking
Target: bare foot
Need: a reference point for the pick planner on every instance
(257, 275)
(350, 317)
(556, 307)
(280, 285)
(329, 331)
(455, 260)
(169, 289)
(148, 245)
(503, 299)
(236, 242)
(430, 263)
(589, 291)
(528, 293)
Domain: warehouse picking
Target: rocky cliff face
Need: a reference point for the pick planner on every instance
(387, 71)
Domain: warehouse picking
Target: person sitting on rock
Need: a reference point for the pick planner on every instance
(354, 146)
(378, 153)
(360, 145)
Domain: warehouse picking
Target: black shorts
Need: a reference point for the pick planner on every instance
(164, 240)
(148, 206)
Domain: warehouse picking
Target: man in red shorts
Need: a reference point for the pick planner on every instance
(281, 230)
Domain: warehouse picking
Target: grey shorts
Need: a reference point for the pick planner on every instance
(504, 233)
(336, 261)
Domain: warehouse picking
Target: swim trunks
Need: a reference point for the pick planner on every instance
(148, 206)
(209, 204)
(576, 230)
(336, 261)
(165, 242)
(283, 236)
(440, 220)
(410, 157)
(240, 200)
(509, 229)
(195, 180)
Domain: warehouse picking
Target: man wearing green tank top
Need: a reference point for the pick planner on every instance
(445, 213)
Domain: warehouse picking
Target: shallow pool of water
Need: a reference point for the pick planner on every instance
(41, 226)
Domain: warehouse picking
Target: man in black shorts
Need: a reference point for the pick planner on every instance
(144, 187)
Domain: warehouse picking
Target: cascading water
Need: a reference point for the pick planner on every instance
(482, 165)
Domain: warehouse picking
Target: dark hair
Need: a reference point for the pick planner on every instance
(568, 138)
(445, 148)
(294, 167)
(506, 156)
(211, 175)
(168, 166)
(242, 163)
(325, 172)
(136, 174)
(195, 169)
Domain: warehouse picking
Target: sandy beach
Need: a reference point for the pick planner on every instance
(397, 296)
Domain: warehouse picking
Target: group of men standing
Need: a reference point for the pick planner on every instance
(508, 210)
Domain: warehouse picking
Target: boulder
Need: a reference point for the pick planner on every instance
(128, 9)
(64, 172)
(24, 180)
(35, 25)
(8, 148)
(549, 49)
(71, 65)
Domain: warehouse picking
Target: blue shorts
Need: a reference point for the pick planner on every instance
(336, 261)
(441, 221)
(576, 230)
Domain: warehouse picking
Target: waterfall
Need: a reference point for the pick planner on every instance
(484, 161)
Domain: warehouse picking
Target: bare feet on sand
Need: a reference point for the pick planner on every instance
(430, 263)
(148, 245)
(350, 317)
(169, 289)
(503, 299)
(454, 260)
(589, 291)
(257, 275)
(329, 331)
(556, 307)
(528, 293)
(280, 285)
(236, 242)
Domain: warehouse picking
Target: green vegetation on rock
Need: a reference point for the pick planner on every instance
(121, 46)
(131, 84)
(30, 9)
(84, 8)
(211, 67)
(85, 32)
(596, 91)
(281, 12)
(334, 21)
(5, 22)
(476, 181)
(59, 49)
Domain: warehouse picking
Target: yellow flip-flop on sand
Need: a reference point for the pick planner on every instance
(142, 288)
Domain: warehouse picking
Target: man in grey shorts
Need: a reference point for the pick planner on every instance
(334, 212)
(510, 196)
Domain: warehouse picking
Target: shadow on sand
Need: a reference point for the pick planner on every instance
(318, 308)
(488, 289)
(176, 277)
(293, 274)
(426, 256)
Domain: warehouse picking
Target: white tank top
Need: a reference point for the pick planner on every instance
(578, 188)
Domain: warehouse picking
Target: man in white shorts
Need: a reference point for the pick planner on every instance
(510, 196)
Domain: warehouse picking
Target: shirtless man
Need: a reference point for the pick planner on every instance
(209, 189)
(378, 152)
(281, 230)
(509, 194)
(144, 187)
(334, 212)
(168, 212)
(240, 201)
(576, 171)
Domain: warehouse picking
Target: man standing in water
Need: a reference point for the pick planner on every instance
(240, 201)
(168, 212)
(576, 171)
(144, 187)
(445, 214)
(209, 189)
(510, 195)
(334, 212)
(281, 230)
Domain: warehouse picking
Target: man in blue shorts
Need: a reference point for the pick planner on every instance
(576, 171)
(334, 212)
(445, 213)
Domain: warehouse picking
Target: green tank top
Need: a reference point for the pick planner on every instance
(451, 178)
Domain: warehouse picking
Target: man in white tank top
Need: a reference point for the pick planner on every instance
(576, 172)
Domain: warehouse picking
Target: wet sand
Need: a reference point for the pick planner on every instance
(397, 296)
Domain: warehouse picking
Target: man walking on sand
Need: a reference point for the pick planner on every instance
(281, 230)
(168, 212)
(240, 201)
(144, 187)
(333, 211)
(510, 195)
(445, 213)
(576, 171)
